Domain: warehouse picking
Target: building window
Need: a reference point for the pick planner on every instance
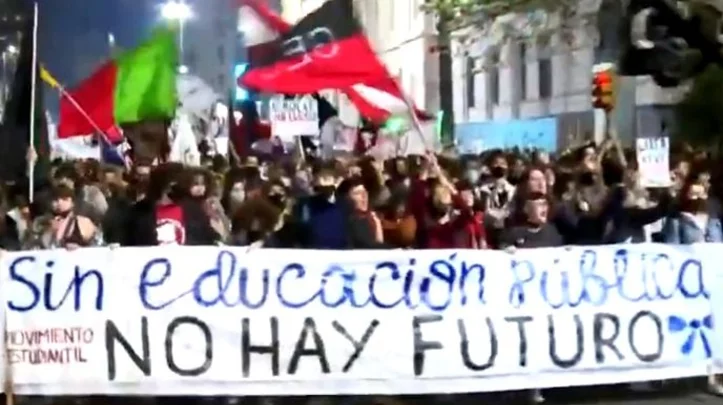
(470, 85)
(544, 67)
(221, 53)
(523, 70)
(494, 78)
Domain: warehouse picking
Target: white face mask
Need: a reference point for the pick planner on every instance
(237, 196)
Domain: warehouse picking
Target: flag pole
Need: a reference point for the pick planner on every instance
(413, 112)
(85, 115)
(8, 374)
(56, 85)
(33, 86)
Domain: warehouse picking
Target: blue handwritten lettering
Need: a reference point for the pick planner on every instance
(23, 271)
(337, 285)
(635, 277)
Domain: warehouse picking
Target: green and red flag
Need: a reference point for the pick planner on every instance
(138, 85)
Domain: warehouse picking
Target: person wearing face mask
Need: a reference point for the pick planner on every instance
(499, 191)
(284, 234)
(447, 225)
(233, 192)
(321, 218)
(693, 223)
(625, 212)
(497, 194)
(198, 185)
(167, 216)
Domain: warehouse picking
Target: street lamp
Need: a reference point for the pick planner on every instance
(177, 10)
(7, 56)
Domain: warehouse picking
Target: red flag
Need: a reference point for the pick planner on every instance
(325, 49)
(375, 99)
(92, 107)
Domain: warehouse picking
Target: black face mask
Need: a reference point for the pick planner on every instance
(253, 236)
(498, 172)
(62, 214)
(277, 200)
(587, 179)
(439, 211)
(325, 191)
(695, 205)
(141, 182)
(175, 193)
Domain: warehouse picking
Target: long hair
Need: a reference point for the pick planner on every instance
(162, 178)
(233, 176)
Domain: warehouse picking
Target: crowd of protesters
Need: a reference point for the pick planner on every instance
(498, 200)
(588, 195)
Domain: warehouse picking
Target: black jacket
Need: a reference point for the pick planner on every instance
(140, 226)
(360, 233)
(9, 238)
(626, 223)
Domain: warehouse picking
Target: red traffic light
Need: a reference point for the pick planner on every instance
(602, 90)
(602, 78)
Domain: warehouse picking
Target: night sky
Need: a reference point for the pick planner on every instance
(74, 34)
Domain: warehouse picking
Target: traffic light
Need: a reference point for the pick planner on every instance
(603, 86)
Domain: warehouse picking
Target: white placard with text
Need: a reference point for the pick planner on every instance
(229, 321)
(653, 156)
(292, 117)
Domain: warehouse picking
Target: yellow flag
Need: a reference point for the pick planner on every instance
(48, 78)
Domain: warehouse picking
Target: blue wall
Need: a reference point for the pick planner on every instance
(476, 137)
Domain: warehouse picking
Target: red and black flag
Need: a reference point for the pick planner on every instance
(326, 49)
(376, 100)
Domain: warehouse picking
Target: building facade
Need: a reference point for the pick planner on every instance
(511, 80)
(210, 45)
(550, 75)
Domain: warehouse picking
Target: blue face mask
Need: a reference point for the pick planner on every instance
(472, 176)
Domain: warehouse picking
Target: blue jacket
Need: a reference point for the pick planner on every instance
(324, 223)
(683, 229)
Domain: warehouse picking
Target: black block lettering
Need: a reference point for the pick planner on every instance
(300, 349)
(603, 342)
(247, 348)
(553, 345)
(358, 346)
(112, 335)
(647, 358)
(208, 340)
(464, 346)
(521, 321)
(421, 345)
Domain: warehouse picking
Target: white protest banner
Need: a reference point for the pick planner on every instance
(229, 321)
(653, 156)
(292, 117)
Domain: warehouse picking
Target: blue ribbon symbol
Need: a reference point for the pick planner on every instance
(696, 328)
